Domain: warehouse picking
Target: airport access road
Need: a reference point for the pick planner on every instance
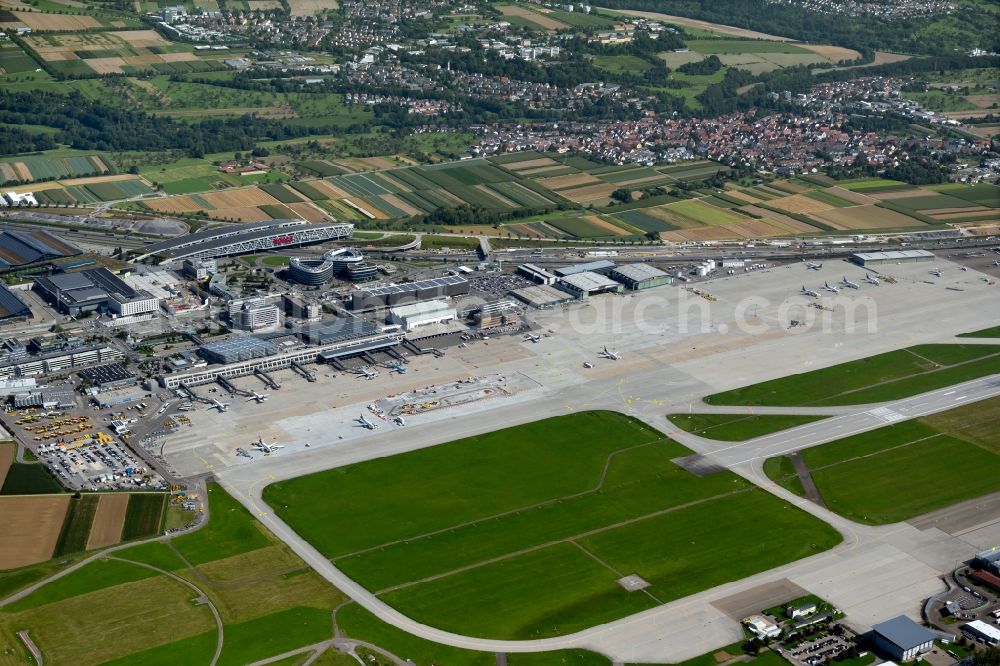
(875, 572)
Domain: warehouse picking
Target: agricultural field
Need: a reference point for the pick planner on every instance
(865, 217)
(13, 60)
(737, 427)
(54, 21)
(520, 15)
(38, 527)
(485, 541)
(92, 190)
(753, 55)
(870, 185)
(190, 175)
(889, 376)
(31, 168)
(116, 52)
(268, 601)
(386, 193)
(951, 456)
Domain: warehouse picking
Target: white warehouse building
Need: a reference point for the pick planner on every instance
(421, 314)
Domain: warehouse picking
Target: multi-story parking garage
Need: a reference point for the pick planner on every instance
(244, 238)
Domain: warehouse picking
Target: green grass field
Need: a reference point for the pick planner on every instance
(28, 479)
(890, 376)
(737, 427)
(453, 242)
(870, 478)
(144, 515)
(76, 526)
(232, 532)
(703, 213)
(992, 332)
(619, 64)
(495, 514)
(720, 46)
(872, 185)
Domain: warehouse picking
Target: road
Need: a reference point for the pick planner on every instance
(874, 571)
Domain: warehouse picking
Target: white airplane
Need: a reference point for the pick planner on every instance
(996, 262)
(829, 287)
(366, 373)
(263, 446)
(813, 265)
(221, 406)
(365, 423)
(532, 338)
(607, 353)
(936, 272)
(399, 420)
(259, 397)
(808, 292)
(871, 279)
(850, 285)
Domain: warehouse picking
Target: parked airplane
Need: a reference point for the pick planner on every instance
(263, 446)
(808, 292)
(259, 397)
(399, 369)
(366, 373)
(936, 272)
(871, 279)
(365, 423)
(829, 287)
(221, 406)
(607, 353)
(532, 338)
(399, 420)
(850, 285)
(813, 265)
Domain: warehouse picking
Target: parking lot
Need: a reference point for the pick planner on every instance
(819, 651)
(84, 447)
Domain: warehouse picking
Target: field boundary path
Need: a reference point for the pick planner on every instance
(899, 559)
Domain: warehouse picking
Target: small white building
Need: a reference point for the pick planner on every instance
(26, 199)
(762, 627)
(421, 314)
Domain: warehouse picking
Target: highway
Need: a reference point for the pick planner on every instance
(855, 575)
